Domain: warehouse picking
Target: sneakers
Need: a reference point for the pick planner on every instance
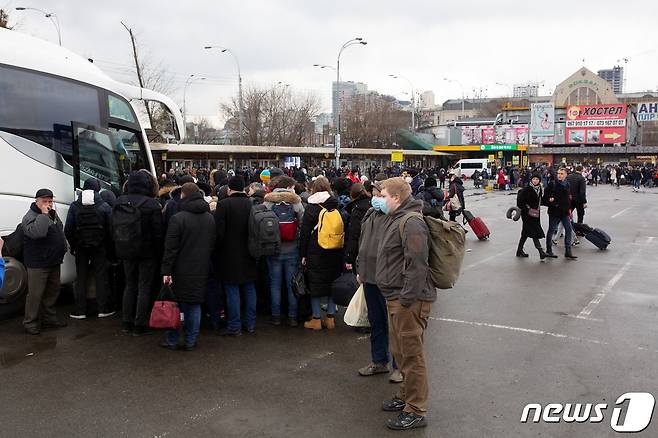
(168, 346)
(106, 314)
(126, 327)
(396, 377)
(275, 320)
(313, 324)
(77, 315)
(373, 368)
(32, 331)
(292, 322)
(53, 324)
(329, 322)
(393, 405)
(407, 421)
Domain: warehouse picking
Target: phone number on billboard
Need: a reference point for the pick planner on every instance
(596, 123)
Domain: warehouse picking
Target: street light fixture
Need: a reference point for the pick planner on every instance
(323, 66)
(352, 42)
(190, 79)
(49, 15)
(240, 103)
(462, 87)
(413, 99)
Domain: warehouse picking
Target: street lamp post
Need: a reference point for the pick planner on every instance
(347, 44)
(462, 87)
(190, 79)
(240, 103)
(413, 99)
(49, 15)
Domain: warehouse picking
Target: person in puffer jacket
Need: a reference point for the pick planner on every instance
(283, 267)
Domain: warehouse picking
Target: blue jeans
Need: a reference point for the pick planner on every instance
(317, 310)
(553, 223)
(637, 183)
(191, 325)
(278, 266)
(233, 304)
(378, 318)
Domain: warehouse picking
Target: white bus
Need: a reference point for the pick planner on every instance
(62, 120)
(467, 167)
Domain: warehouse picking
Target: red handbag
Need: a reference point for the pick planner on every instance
(165, 313)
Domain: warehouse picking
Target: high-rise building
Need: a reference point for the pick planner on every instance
(526, 90)
(615, 77)
(427, 99)
(347, 90)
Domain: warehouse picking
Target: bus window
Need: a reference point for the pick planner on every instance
(120, 109)
(40, 107)
(96, 156)
(131, 153)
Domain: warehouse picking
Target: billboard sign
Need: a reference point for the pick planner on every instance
(592, 124)
(647, 111)
(542, 120)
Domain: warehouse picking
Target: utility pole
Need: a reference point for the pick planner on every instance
(139, 70)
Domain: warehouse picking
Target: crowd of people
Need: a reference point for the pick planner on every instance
(204, 237)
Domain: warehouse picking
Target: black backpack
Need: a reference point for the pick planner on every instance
(264, 234)
(127, 230)
(89, 232)
(14, 244)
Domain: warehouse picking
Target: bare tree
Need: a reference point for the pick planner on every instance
(273, 116)
(372, 120)
(201, 131)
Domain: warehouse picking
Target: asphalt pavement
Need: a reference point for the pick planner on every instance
(513, 332)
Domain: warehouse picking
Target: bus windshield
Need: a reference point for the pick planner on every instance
(43, 108)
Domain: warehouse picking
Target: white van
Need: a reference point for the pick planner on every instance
(468, 166)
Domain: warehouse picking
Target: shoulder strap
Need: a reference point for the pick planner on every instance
(405, 218)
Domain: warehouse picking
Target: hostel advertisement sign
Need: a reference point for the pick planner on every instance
(596, 124)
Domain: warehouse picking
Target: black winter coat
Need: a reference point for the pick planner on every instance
(188, 249)
(527, 198)
(577, 188)
(432, 196)
(457, 187)
(561, 199)
(104, 212)
(44, 243)
(323, 265)
(235, 264)
(152, 227)
(357, 210)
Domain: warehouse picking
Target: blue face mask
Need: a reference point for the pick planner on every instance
(378, 203)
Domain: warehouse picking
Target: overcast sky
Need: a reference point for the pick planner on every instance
(478, 42)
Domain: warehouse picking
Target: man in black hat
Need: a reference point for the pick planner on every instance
(44, 247)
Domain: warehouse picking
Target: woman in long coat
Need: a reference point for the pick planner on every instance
(529, 198)
(323, 266)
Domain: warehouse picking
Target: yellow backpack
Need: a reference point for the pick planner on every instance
(331, 231)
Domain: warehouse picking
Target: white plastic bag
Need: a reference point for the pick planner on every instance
(356, 314)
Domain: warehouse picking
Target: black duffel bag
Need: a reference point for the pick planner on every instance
(343, 288)
(13, 246)
(299, 287)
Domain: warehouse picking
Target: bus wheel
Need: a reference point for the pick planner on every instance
(14, 288)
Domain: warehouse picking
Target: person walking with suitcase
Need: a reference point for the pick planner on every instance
(403, 277)
(88, 232)
(456, 192)
(556, 198)
(186, 261)
(43, 251)
(529, 200)
(578, 192)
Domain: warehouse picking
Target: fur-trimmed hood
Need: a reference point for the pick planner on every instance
(166, 191)
(282, 196)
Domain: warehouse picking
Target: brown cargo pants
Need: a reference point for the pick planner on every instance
(406, 328)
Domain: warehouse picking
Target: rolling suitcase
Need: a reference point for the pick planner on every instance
(582, 230)
(599, 238)
(477, 225)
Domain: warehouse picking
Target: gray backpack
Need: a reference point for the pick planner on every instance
(447, 247)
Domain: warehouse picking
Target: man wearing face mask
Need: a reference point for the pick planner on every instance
(402, 275)
(44, 248)
(371, 230)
